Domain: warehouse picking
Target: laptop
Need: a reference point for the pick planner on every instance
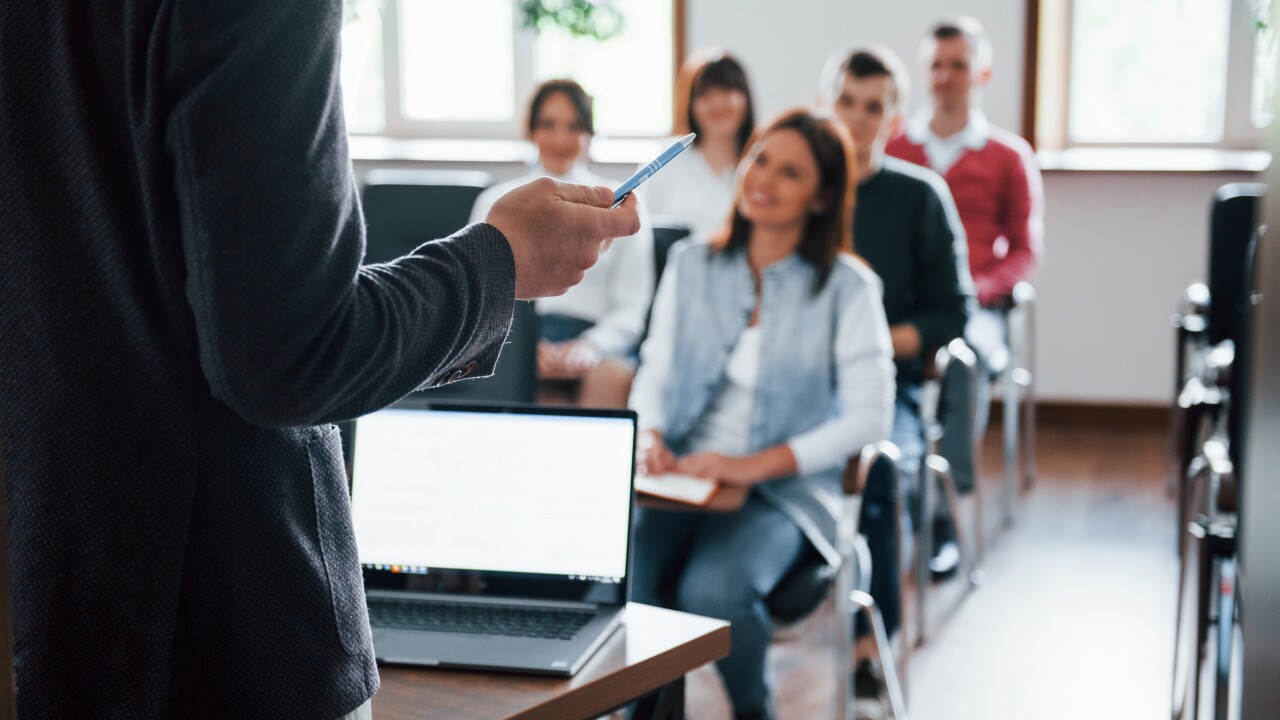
(493, 537)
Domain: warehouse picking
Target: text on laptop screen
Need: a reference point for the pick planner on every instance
(492, 491)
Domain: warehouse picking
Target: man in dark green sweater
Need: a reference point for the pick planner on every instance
(907, 228)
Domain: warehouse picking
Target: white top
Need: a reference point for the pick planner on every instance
(689, 191)
(615, 292)
(821, 448)
(726, 426)
(944, 152)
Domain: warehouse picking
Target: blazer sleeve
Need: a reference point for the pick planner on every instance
(291, 330)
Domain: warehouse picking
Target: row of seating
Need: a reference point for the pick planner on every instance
(405, 208)
(1212, 331)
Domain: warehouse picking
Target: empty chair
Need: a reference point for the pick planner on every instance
(406, 208)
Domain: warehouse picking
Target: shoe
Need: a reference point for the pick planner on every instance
(868, 692)
(946, 553)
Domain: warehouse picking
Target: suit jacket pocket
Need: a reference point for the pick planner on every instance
(337, 541)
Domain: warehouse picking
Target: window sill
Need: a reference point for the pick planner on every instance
(376, 148)
(1153, 160)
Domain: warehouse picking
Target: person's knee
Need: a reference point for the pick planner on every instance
(725, 596)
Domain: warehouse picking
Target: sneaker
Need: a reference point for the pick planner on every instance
(868, 692)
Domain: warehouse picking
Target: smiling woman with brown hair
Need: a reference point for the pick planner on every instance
(775, 370)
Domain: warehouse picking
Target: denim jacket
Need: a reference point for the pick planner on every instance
(825, 382)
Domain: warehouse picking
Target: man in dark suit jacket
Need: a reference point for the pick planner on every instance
(182, 314)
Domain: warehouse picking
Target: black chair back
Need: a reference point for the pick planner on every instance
(1233, 220)
(665, 234)
(406, 208)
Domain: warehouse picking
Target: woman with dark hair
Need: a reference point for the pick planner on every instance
(597, 323)
(768, 364)
(714, 101)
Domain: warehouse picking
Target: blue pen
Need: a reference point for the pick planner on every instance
(634, 181)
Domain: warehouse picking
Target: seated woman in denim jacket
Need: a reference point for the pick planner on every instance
(768, 364)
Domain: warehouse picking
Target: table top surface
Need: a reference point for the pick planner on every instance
(652, 647)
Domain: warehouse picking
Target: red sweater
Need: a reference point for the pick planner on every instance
(1000, 197)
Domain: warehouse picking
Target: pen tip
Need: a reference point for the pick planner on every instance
(688, 139)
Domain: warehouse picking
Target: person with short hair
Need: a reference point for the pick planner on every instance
(906, 227)
(991, 172)
(713, 99)
(590, 333)
(768, 365)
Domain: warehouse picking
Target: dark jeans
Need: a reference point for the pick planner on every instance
(721, 566)
(561, 328)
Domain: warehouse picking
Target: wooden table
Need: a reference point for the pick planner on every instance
(646, 659)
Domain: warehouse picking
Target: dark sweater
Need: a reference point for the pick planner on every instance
(906, 227)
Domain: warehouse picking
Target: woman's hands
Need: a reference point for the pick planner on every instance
(655, 458)
(566, 360)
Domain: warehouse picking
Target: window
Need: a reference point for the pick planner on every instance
(438, 68)
(1152, 72)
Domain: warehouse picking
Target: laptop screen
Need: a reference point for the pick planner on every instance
(453, 499)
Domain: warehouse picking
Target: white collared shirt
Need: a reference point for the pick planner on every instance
(616, 291)
(944, 152)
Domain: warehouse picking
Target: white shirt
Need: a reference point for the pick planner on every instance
(615, 292)
(688, 190)
(726, 426)
(944, 152)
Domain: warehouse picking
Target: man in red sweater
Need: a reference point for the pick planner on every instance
(996, 186)
(991, 172)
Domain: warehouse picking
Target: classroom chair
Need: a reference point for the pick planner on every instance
(812, 580)
(951, 450)
(404, 208)
(1017, 382)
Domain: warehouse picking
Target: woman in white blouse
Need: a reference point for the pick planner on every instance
(590, 332)
(714, 101)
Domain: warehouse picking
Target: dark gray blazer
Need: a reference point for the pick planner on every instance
(182, 313)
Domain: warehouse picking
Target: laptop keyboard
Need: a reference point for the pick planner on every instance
(477, 619)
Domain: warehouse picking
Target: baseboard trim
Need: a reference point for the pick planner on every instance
(1107, 415)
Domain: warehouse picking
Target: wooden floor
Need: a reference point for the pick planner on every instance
(1074, 618)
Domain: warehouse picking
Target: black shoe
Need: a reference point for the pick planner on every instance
(868, 692)
(945, 559)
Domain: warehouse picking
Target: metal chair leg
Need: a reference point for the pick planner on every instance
(1009, 418)
(942, 469)
(867, 606)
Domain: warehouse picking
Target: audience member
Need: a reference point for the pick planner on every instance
(768, 364)
(998, 192)
(906, 227)
(590, 332)
(714, 101)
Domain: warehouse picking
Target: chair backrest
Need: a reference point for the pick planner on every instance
(1233, 219)
(406, 208)
(957, 368)
(515, 379)
(665, 234)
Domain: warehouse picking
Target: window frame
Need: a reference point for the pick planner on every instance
(397, 125)
(1047, 84)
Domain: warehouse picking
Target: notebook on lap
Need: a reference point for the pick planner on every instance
(493, 537)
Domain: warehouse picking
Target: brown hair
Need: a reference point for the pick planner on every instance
(578, 97)
(971, 30)
(829, 232)
(706, 70)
